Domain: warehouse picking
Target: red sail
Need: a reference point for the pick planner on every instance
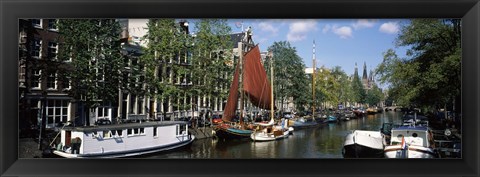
(255, 84)
(231, 106)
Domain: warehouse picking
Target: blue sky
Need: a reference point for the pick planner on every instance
(339, 42)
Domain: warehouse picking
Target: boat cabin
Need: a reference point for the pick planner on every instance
(417, 136)
(121, 139)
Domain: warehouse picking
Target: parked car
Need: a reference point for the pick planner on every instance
(103, 122)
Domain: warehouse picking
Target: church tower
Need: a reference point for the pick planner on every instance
(365, 77)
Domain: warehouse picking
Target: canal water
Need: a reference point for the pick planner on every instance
(324, 141)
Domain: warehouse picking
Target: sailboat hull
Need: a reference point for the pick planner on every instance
(262, 136)
(231, 133)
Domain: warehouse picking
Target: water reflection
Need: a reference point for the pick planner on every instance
(325, 141)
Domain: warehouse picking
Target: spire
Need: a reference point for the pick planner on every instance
(364, 77)
(356, 70)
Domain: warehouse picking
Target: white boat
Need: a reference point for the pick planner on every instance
(410, 142)
(122, 140)
(364, 144)
(270, 132)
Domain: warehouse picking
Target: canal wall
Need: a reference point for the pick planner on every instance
(201, 132)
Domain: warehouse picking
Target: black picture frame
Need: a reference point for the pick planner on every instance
(11, 11)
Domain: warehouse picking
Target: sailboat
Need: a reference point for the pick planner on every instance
(269, 131)
(309, 121)
(249, 80)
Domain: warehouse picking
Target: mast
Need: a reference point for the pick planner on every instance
(313, 81)
(272, 113)
(240, 88)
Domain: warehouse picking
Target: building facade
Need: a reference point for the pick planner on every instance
(43, 93)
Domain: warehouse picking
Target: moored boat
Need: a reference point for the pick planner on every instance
(364, 144)
(249, 81)
(332, 119)
(270, 132)
(411, 142)
(303, 122)
(122, 140)
(371, 110)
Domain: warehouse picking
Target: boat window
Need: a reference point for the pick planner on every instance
(135, 131)
(142, 131)
(129, 132)
(113, 133)
(181, 129)
(155, 131)
(414, 134)
(106, 134)
(400, 136)
(119, 132)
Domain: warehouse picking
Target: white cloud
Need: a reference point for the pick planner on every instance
(389, 28)
(268, 27)
(344, 32)
(326, 28)
(363, 23)
(298, 30)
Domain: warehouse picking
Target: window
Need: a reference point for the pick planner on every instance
(37, 23)
(36, 80)
(120, 133)
(135, 131)
(155, 131)
(52, 25)
(181, 130)
(57, 111)
(140, 106)
(66, 84)
(36, 48)
(107, 134)
(103, 112)
(21, 76)
(52, 50)
(94, 134)
(414, 135)
(52, 81)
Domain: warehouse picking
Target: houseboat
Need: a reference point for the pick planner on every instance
(122, 140)
(411, 142)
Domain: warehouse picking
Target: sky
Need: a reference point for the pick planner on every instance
(339, 42)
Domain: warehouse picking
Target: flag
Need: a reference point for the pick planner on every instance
(403, 145)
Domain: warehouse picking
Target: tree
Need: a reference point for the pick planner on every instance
(161, 60)
(211, 55)
(430, 75)
(289, 75)
(374, 96)
(94, 50)
(359, 93)
(343, 91)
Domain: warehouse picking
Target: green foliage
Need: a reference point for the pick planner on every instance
(165, 42)
(358, 92)
(290, 79)
(374, 96)
(211, 55)
(92, 45)
(430, 75)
